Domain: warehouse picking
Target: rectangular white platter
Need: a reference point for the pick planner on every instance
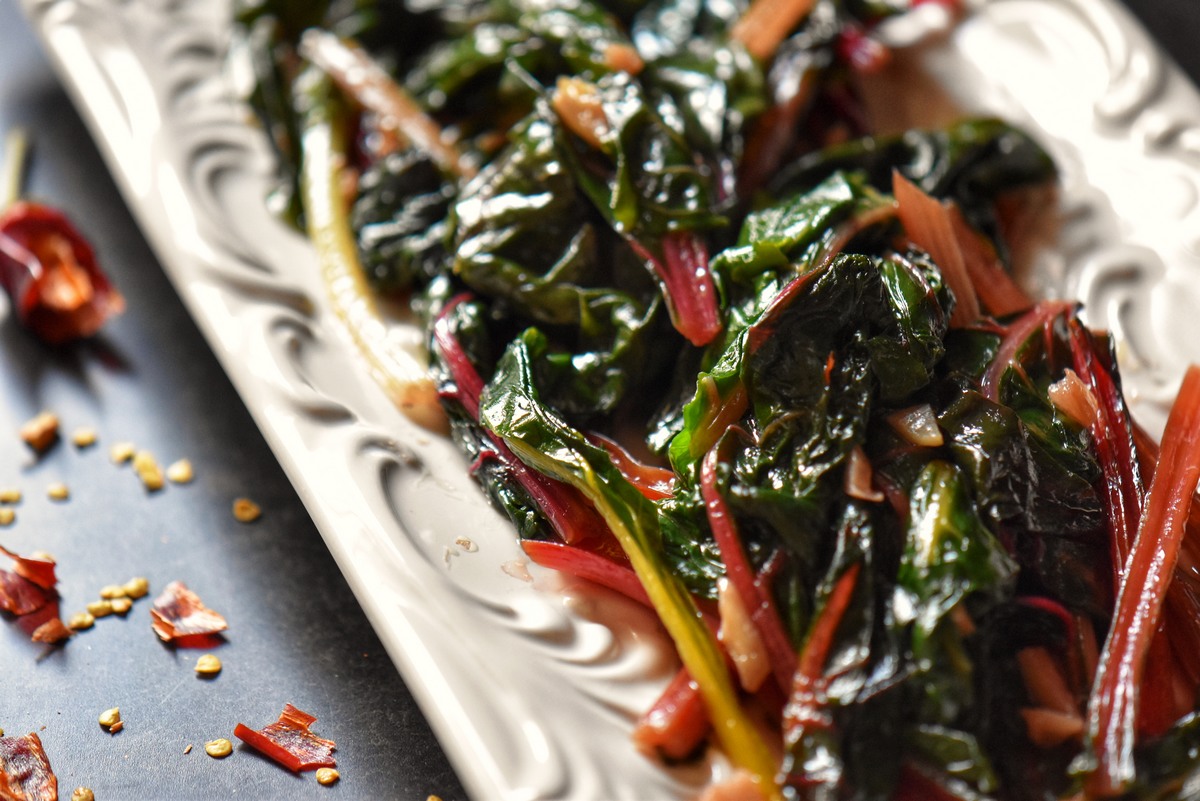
(532, 684)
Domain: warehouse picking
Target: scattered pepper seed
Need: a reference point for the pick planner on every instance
(83, 794)
(187, 750)
(180, 472)
(137, 587)
(7, 516)
(43, 556)
(121, 452)
(219, 748)
(246, 510)
(111, 591)
(466, 544)
(80, 621)
(327, 776)
(208, 666)
(110, 717)
(121, 605)
(40, 432)
(84, 437)
(10, 495)
(148, 470)
(101, 608)
(58, 491)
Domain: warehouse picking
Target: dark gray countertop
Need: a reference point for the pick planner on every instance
(296, 632)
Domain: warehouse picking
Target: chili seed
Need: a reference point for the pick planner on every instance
(121, 452)
(121, 605)
(80, 621)
(208, 665)
(110, 717)
(84, 437)
(58, 491)
(83, 794)
(40, 432)
(100, 608)
(7, 516)
(187, 750)
(10, 495)
(246, 510)
(180, 472)
(137, 587)
(111, 591)
(219, 748)
(327, 776)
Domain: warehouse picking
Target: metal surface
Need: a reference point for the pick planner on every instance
(296, 633)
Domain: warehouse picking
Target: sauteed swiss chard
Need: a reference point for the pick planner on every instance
(712, 343)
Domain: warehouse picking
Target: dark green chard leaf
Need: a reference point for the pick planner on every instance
(972, 163)
(644, 180)
(957, 755)
(267, 35)
(526, 239)
(776, 246)
(949, 555)
(511, 408)
(714, 91)
(399, 221)
(490, 75)
(641, 175)
(666, 27)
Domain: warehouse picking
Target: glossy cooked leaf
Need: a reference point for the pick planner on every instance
(510, 407)
(644, 179)
(399, 220)
(525, 238)
(971, 163)
(489, 75)
(949, 554)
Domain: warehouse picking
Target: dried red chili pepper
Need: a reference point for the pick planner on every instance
(29, 586)
(47, 267)
(179, 616)
(25, 772)
(51, 275)
(290, 742)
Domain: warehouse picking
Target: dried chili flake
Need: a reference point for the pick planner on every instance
(25, 772)
(179, 616)
(52, 631)
(290, 742)
(38, 569)
(20, 596)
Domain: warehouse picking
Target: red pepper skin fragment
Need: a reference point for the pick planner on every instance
(39, 571)
(179, 614)
(52, 631)
(1116, 697)
(20, 596)
(25, 772)
(290, 742)
(51, 275)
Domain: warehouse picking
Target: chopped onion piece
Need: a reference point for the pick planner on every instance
(917, 424)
